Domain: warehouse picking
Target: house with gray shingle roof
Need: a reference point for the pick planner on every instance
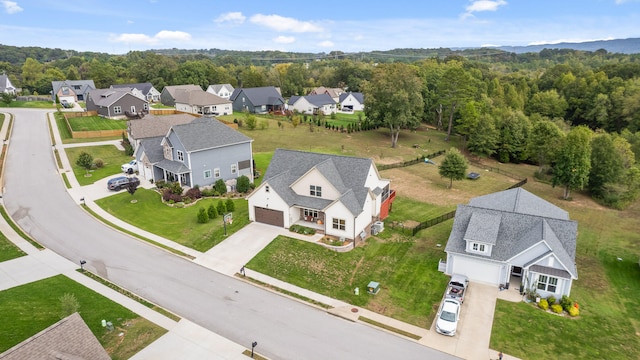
(337, 195)
(146, 90)
(313, 104)
(197, 153)
(513, 236)
(201, 102)
(168, 94)
(116, 103)
(69, 338)
(333, 92)
(259, 100)
(351, 101)
(71, 90)
(222, 90)
(5, 85)
(153, 126)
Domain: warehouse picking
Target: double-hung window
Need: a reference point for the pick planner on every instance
(547, 283)
(315, 190)
(339, 224)
(179, 155)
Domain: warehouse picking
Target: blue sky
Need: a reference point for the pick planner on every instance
(119, 26)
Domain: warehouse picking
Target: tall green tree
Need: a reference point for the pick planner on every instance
(573, 162)
(31, 73)
(544, 142)
(483, 137)
(454, 166)
(513, 129)
(606, 163)
(547, 103)
(393, 98)
(454, 87)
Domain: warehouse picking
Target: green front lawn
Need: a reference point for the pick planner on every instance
(93, 123)
(29, 104)
(110, 155)
(405, 267)
(173, 223)
(30, 308)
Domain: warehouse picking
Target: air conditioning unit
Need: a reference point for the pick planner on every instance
(377, 227)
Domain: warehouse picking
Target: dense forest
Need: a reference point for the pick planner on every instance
(574, 113)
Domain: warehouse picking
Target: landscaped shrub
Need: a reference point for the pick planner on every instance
(543, 304)
(176, 188)
(222, 209)
(220, 187)
(161, 184)
(302, 230)
(193, 193)
(203, 217)
(99, 163)
(566, 303)
(212, 212)
(243, 184)
(556, 308)
(230, 205)
(574, 311)
(206, 192)
(551, 300)
(169, 196)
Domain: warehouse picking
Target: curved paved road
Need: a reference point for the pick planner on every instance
(35, 197)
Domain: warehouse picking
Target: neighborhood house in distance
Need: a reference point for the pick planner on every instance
(514, 236)
(339, 196)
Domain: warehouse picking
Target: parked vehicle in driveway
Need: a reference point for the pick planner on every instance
(120, 182)
(448, 316)
(130, 167)
(457, 287)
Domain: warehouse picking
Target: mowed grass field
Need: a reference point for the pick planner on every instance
(93, 123)
(608, 249)
(110, 155)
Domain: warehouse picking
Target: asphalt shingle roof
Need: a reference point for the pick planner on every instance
(347, 174)
(267, 95)
(207, 133)
(153, 125)
(357, 95)
(318, 100)
(522, 220)
(153, 148)
(198, 97)
(143, 87)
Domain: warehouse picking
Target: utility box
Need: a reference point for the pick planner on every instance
(373, 287)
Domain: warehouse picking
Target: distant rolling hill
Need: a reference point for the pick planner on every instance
(624, 46)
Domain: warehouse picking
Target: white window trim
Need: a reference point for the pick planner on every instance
(117, 109)
(234, 168)
(216, 173)
(339, 224)
(315, 190)
(179, 155)
(479, 248)
(210, 174)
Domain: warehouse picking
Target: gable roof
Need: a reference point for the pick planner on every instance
(267, 95)
(108, 97)
(357, 95)
(198, 97)
(347, 174)
(514, 221)
(217, 87)
(143, 87)
(69, 338)
(171, 89)
(333, 92)
(152, 147)
(5, 83)
(316, 100)
(207, 133)
(156, 125)
(85, 85)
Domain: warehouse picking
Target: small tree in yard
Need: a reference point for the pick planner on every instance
(243, 184)
(85, 160)
(7, 98)
(212, 212)
(454, 166)
(230, 205)
(203, 217)
(222, 209)
(220, 187)
(132, 187)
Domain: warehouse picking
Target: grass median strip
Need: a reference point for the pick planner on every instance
(286, 292)
(390, 328)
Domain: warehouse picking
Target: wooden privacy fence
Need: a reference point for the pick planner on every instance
(410, 162)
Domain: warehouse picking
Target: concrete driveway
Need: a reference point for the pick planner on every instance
(474, 329)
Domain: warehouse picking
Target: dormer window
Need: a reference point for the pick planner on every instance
(315, 190)
(479, 248)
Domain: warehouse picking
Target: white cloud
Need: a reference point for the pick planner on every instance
(11, 7)
(284, 24)
(232, 17)
(566, 40)
(482, 5)
(164, 35)
(284, 39)
(326, 44)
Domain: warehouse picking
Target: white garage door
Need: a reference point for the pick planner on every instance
(477, 270)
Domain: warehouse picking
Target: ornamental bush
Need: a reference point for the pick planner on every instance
(220, 187)
(556, 308)
(222, 209)
(203, 217)
(212, 212)
(551, 300)
(243, 184)
(573, 311)
(566, 303)
(230, 205)
(543, 304)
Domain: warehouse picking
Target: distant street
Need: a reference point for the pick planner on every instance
(35, 196)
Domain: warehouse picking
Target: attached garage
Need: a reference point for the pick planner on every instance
(269, 216)
(477, 269)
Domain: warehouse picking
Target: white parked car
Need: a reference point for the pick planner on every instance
(448, 316)
(130, 167)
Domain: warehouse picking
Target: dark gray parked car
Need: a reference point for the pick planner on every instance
(120, 182)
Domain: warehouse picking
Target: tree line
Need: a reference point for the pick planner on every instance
(533, 107)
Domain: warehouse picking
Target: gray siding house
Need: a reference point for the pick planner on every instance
(72, 90)
(260, 100)
(146, 89)
(198, 153)
(116, 103)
